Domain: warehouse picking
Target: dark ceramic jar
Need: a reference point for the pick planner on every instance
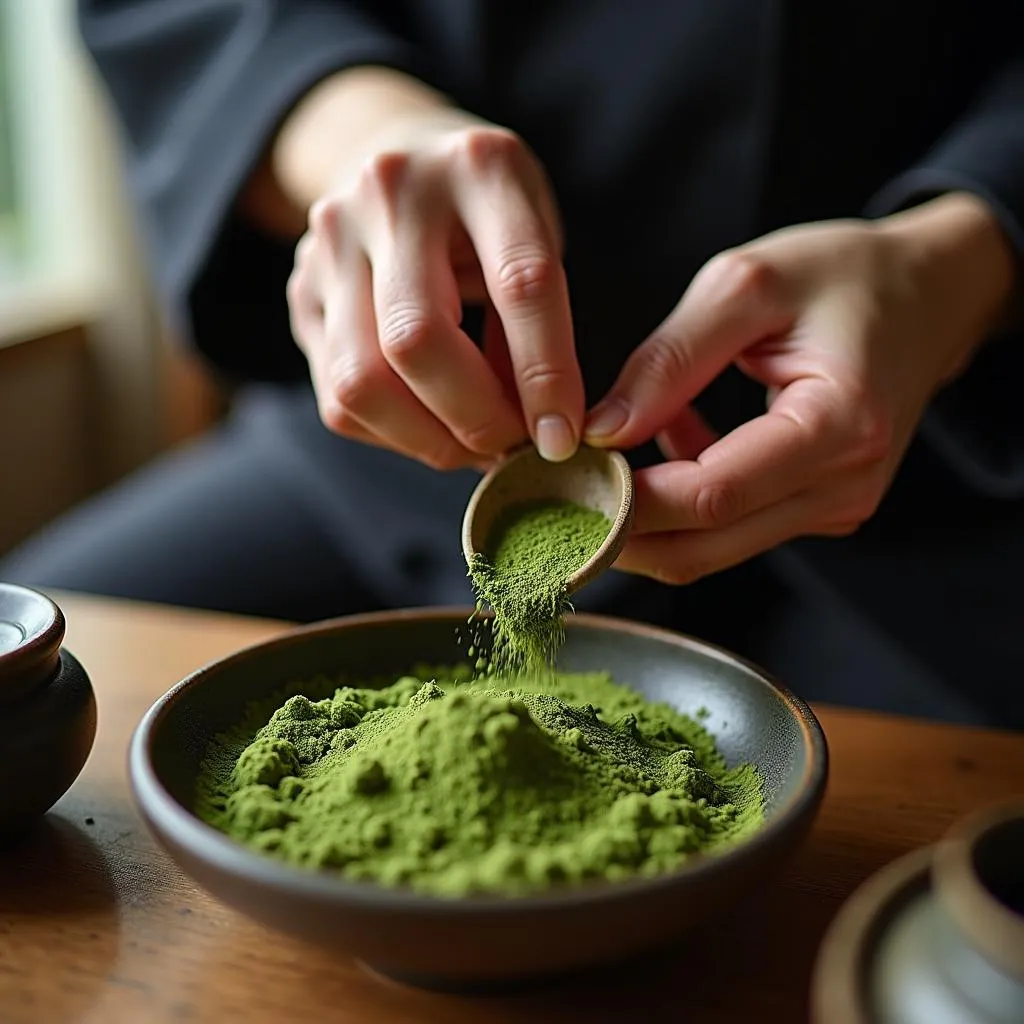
(936, 937)
(47, 708)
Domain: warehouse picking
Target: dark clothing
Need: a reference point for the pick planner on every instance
(671, 131)
(225, 523)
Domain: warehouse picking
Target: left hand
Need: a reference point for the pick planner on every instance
(852, 326)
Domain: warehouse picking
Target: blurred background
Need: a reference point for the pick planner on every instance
(91, 383)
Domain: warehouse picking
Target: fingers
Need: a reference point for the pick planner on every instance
(833, 505)
(760, 463)
(376, 303)
(518, 252)
(307, 324)
(734, 302)
(686, 556)
(686, 436)
(418, 308)
(495, 349)
(357, 390)
(305, 311)
(814, 433)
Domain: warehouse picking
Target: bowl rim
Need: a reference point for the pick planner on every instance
(183, 828)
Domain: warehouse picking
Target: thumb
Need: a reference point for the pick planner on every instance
(733, 303)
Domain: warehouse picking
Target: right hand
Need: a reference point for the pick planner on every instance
(437, 210)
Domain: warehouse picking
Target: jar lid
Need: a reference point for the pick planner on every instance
(31, 632)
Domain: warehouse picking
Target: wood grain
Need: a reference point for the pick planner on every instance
(96, 925)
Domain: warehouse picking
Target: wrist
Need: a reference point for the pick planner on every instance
(963, 262)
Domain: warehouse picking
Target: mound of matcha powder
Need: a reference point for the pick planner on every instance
(532, 551)
(453, 787)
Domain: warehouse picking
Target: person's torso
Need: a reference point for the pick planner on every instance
(672, 131)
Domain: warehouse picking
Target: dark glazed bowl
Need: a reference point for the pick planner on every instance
(47, 708)
(470, 943)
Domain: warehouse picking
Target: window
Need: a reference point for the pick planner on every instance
(51, 232)
(10, 228)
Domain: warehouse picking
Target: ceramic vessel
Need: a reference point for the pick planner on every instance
(594, 478)
(937, 937)
(482, 942)
(47, 708)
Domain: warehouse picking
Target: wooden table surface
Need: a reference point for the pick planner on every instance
(96, 924)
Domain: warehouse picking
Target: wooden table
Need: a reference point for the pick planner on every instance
(96, 924)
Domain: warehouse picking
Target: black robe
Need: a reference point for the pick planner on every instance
(671, 131)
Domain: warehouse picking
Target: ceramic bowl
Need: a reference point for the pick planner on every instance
(483, 941)
(47, 708)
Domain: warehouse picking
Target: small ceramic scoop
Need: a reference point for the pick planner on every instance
(594, 478)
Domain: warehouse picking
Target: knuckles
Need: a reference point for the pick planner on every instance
(540, 376)
(303, 303)
(382, 178)
(484, 149)
(661, 358)
(718, 503)
(850, 511)
(740, 276)
(378, 184)
(335, 417)
(299, 287)
(295, 288)
(385, 178)
(481, 438)
(871, 434)
(526, 275)
(404, 335)
(354, 387)
(325, 218)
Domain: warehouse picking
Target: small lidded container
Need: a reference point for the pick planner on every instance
(936, 937)
(47, 708)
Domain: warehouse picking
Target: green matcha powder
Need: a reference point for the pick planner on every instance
(532, 551)
(456, 787)
(507, 781)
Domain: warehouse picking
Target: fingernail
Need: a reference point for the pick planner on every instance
(555, 438)
(606, 420)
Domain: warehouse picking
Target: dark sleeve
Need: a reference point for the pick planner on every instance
(977, 423)
(200, 87)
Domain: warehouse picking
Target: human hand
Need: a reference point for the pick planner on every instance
(431, 209)
(852, 327)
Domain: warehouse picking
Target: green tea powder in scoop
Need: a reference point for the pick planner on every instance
(532, 551)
